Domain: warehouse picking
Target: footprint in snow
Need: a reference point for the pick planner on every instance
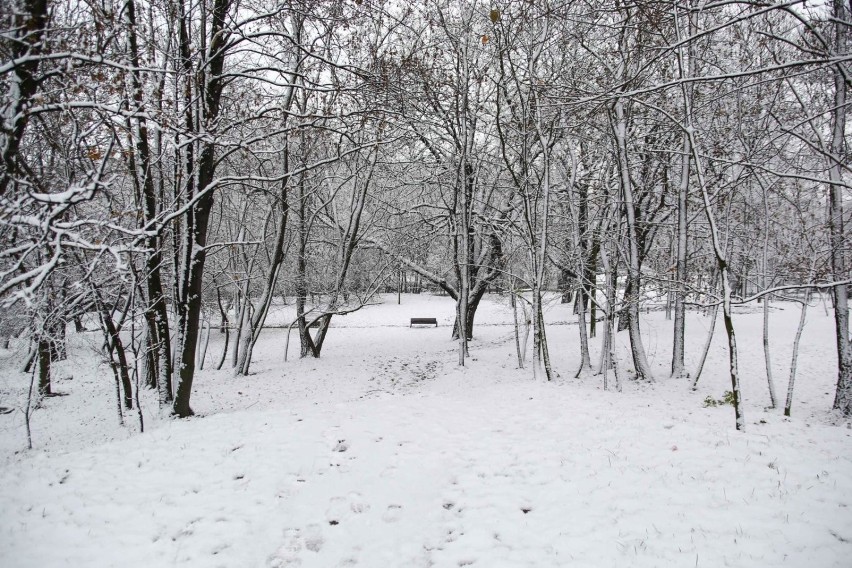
(357, 503)
(337, 509)
(342, 508)
(392, 514)
(276, 561)
(219, 548)
(288, 553)
(453, 535)
(313, 538)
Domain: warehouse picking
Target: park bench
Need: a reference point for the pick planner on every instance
(423, 321)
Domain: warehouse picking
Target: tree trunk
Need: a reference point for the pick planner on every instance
(608, 356)
(462, 249)
(149, 361)
(765, 284)
(766, 354)
(346, 249)
(204, 342)
(789, 404)
(197, 240)
(727, 314)
(25, 44)
(545, 351)
(225, 327)
(156, 312)
(611, 277)
(199, 215)
(706, 349)
(514, 301)
(58, 343)
(537, 332)
(718, 250)
(837, 232)
(242, 321)
(680, 264)
(113, 365)
(591, 280)
(31, 359)
(565, 285)
(472, 305)
(115, 349)
(584, 276)
(585, 359)
(43, 358)
(124, 373)
(301, 271)
(640, 360)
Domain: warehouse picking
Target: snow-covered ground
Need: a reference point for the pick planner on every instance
(385, 453)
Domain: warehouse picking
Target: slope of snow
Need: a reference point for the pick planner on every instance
(385, 453)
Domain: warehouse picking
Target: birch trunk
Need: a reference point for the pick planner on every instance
(789, 404)
(680, 270)
(706, 350)
(514, 301)
(765, 283)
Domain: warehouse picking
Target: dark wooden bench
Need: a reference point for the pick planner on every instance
(423, 321)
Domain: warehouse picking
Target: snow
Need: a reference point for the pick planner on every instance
(385, 453)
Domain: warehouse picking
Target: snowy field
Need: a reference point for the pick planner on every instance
(385, 453)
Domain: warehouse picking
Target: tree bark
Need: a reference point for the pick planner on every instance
(837, 232)
(680, 270)
(268, 291)
(765, 283)
(585, 275)
(199, 216)
(43, 358)
(115, 348)
(156, 312)
(633, 290)
(26, 44)
(793, 363)
(718, 250)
